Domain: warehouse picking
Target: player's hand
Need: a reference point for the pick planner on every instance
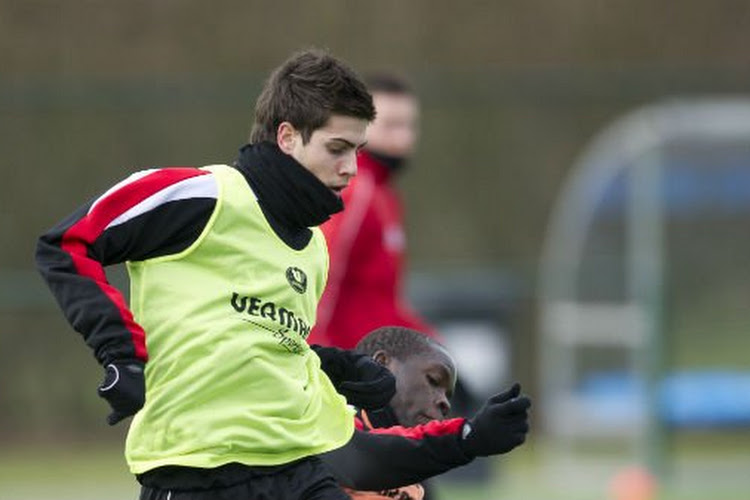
(364, 382)
(499, 426)
(124, 388)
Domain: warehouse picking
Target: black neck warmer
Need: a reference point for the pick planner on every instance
(394, 164)
(291, 197)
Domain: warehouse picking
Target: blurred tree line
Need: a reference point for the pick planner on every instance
(91, 91)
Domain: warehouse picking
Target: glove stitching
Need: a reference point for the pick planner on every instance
(114, 383)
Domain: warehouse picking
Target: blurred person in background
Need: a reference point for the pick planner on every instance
(366, 243)
(226, 268)
(425, 379)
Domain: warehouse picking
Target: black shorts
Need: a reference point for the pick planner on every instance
(307, 479)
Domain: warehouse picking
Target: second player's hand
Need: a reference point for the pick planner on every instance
(499, 426)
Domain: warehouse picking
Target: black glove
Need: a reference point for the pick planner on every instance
(124, 388)
(364, 382)
(499, 426)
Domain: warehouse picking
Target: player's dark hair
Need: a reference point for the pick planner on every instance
(399, 342)
(305, 91)
(388, 83)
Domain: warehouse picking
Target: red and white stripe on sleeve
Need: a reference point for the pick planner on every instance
(151, 213)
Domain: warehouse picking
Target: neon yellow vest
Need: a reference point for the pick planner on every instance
(230, 376)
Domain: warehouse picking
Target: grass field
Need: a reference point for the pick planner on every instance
(705, 468)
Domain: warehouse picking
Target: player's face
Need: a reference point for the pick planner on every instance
(424, 386)
(395, 129)
(331, 152)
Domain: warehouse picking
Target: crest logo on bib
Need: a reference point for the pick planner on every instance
(297, 279)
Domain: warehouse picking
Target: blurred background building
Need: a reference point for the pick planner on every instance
(514, 96)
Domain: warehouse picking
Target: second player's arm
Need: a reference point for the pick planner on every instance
(398, 456)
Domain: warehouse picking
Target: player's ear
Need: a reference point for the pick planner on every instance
(287, 137)
(381, 357)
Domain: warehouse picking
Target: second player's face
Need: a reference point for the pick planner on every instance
(331, 152)
(424, 386)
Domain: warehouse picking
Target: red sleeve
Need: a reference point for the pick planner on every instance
(433, 428)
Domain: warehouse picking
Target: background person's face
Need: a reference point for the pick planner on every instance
(396, 127)
(424, 386)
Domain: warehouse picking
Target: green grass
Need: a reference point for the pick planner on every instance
(77, 472)
(705, 468)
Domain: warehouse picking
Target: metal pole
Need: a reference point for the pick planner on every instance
(645, 273)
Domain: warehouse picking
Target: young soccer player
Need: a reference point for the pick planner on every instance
(227, 265)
